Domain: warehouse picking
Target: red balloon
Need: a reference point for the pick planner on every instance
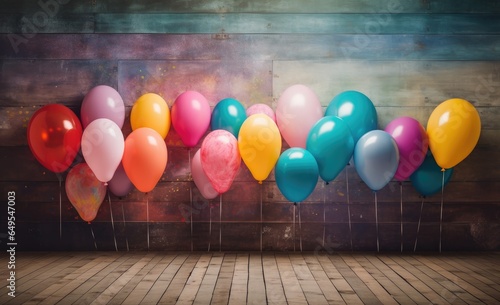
(54, 137)
(220, 159)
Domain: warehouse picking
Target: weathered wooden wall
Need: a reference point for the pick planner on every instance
(407, 56)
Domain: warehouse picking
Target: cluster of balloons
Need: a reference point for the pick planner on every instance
(403, 150)
(321, 144)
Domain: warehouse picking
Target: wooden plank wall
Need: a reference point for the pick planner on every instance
(407, 56)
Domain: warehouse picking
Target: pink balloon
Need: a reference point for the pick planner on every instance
(261, 108)
(297, 111)
(200, 178)
(412, 142)
(102, 102)
(190, 117)
(102, 147)
(220, 159)
(120, 185)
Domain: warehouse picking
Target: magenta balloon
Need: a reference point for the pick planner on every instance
(412, 142)
(297, 111)
(120, 185)
(102, 102)
(261, 108)
(220, 159)
(200, 178)
(190, 117)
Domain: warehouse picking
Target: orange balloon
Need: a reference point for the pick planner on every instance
(453, 127)
(145, 158)
(151, 110)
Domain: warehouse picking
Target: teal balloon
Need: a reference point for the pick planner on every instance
(428, 178)
(356, 109)
(376, 158)
(331, 143)
(296, 174)
(228, 114)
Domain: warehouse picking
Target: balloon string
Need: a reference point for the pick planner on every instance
(220, 222)
(147, 216)
(376, 221)
(418, 226)
(294, 207)
(191, 214)
(191, 197)
(93, 236)
(300, 231)
(60, 206)
(125, 226)
(112, 221)
(348, 205)
(210, 227)
(324, 217)
(401, 208)
(441, 215)
(261, 218)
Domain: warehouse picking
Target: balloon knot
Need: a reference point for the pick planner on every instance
(443, 169)
(327, 183)
(295, 203)
(105, 184)
(260, 182)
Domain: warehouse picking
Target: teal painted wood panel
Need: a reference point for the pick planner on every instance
(259, 6)
(251, 23)
(32, 24)
(257, 47)
(299, 23)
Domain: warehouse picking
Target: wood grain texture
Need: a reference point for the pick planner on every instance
(260, 6)
(317, 23)
(254, 47)
(400, 84)
(247, 81)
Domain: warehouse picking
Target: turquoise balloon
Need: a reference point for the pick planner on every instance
(228, 114)
(331, 143)
(428, 178)
(296, 174)
(357, 110)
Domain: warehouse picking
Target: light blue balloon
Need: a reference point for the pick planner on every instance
(331, 143)
(296, 174)
(428, 178)
(228, 114)
(376, 158)
(357, 110)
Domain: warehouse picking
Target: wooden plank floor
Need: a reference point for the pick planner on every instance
(253, 278)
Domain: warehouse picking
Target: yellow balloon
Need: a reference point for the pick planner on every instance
(453, 128)
(151, 110)
(259, 143)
